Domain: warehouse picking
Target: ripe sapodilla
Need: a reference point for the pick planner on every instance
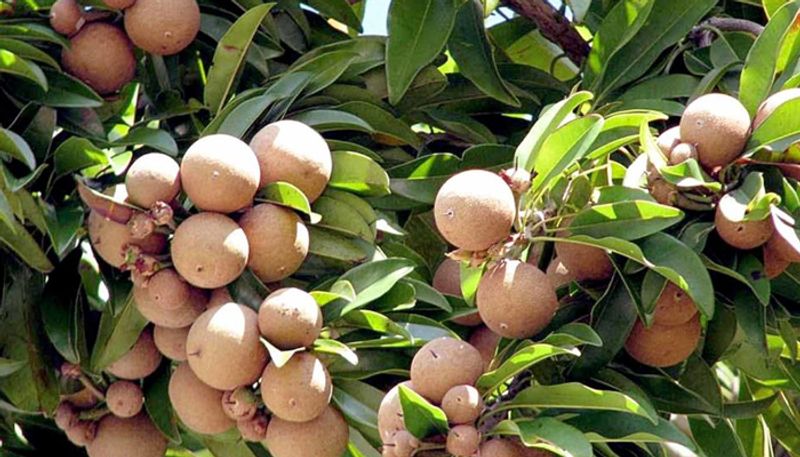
(390, 412)
(582, 261)
(485, 341)
(742, 234)
(165, 289)
(254, 429)
(463, 440)
(163, 27)
(140, 361)
(110, 239)
(182, 316)
(474, 210)
(171, 342)
(299, 391)
(117, 437)
(66, 17)
(674, 306)
(101, 55)
(447, 280)
(668, 140)
(278, 241)
(290, 318)
(500, 447)
(718, 126)
(663, 345)
(462, 404)
(197, 405)
(325, 436)
(558, 274)
(152, 178)
(119, 4)
(442, 364)
(124, 399)
(402, 444)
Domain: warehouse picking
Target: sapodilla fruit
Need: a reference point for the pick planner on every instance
(182, 316)
(663, 345)
(403, 444)
(133, 437)
(219, 296)
(124, 399)
(668, 140)
(197, 405)
(474, 210)
(290, 318)
(718, 126)
(485, 341)
(65, 415)
(390, 413)
(278, 241)
(140, 361)
(110, 239)
(558, 274)
(219, 172)
(463, 440)
(81, 433)
(298, 391)
(772, 103)
(742, 234)
(240, 404)
(152, 178)
(681, 153)
(516, 299)
(774, 263)
(100, 55)
(254, 429)
(66, 17)
(325, 436)
(442, 364)
(293, 152)
(500, 447)
(163, 27)
(165, 289)
(209, 250)
(447, 280)
(224, 347)
(586, 263)
(674, 306)
(462, 404)
(119, 4)
(171, 342)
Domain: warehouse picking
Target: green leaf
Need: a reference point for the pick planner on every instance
(359, 402)
(15, 65)
(288, 195)
(27, 51)
(325, 120)
(325, 69)
(568, 440)
(77, 153)
(371, 281)
(383, 122)
(16, 237)
(32, 32)
(778, 131)
(377, 322)
(359, 174)
(16, 147)
(339, 10)
(9, 367)
(572, 335)
(608, 426)
(716, 439)
(332, 245)
(63, 311)
(427, 294)
(65, 91)
(117, 335)
(328, 346)
(519, 362)
(154, 138)
(422, 419)
(157, 404)
(629, 220)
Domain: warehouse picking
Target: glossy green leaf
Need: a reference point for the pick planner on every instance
(15, 146)
(568, 441)
(716, 439)
(779, 130)
(157, 403)
(422, 418)
(117, 334)
(16, 238)
(15, 65)
(9, 367)
(370, 281)
(520, 361)
(153, 138)
(359, 174)
(289, 196)
(326, 120)
(383, 122)
(325, 69)
(609, 426)
(427, 294)
(27, 51)
(629, 220)
(76, 154)
(332, 245)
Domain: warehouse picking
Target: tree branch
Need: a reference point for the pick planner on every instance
(702, 33)
(553, 26)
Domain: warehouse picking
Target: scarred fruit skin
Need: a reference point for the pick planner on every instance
(663, 345)
(463, 440)
(772, 103)
(474, 210)
(101, 55)
(224, 347)
(240, 404)
(82, 433)
(171, 342)
(278, 241)
(152, 178)
(293, 152)
(163, 27)
(197, 405)
(134, 437)
(442, 364)
(447, 280)
(462, 404)
(390, 413)
(403, 444)
(558, 274)
(515, 299)
(674, 306)
(110, 239)
(182, 316)
(325, 436)
(124, 399)
(119, 4)
(209, 250)
(165, 289)
(718, 126)
(140, 362)
(65, 415)
(66, 17)
(485, 341)
(254, 429)
(299, 391)
(743, 234)
(290, 318)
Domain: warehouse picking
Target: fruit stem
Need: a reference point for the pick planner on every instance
(94, 414)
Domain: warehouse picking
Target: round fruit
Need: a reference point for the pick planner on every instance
(772, 103)
(299, 391)
(485, 341)
(163, 27)
(171, 342)
(110, 239)
(65, 416)
(224, 347)
(663, 345)
(463, 440)
(66, 17)
(500, 447)
(442, 364)
(219, 297)
(153, 178)
(681, 153)
(254, 429)
(462, 404)
(117, 437)
(674, 306)
(293, 152)
(220, 173)
(390, 413)
(718, 126)
(558, 274)
(447, 280)
(209, 250)
(586, 263)
(742, 234)
(240, 404)
(516, 300)
(278, 241)
(100, 55)
(782, 248)
(119, 4)
(774, 263)
(474, 210)
(82, 433)
(197, 405)
(668, 140)
(325, 436)
(180, 317)
(290, 318)
(140, 361)
(165, 289)
(663, 192)
(124, 399)
(403, 443)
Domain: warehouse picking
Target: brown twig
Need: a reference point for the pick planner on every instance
(554, 26)
(493, 418)
(702, 33)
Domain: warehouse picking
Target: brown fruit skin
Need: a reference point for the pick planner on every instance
(290, 318)
(82, 433)
(442, 364)
(134, 437)
(447, 280)
(463, 440)
(100, 55)
(124, 399)
(278, 241)
(209, 250)
(293, 152)
(119, 4)
(782, 248)
(140, 362)
(668, 140)
(775, 100)
(586, 263)
(774, 263)
(516, 300)
(674, 306)
(171, 342)
(254, 429)
(662, 345)
(462, 404)
(240, 404)
(681, 153)
(474, 210)
(744, 234)
(298, 391)
(163, 27)
(153, 178)
(219, 297)
(224, 347)
(403, 444)
(390, 413)
(718, 126)
(220, 173)
(180, 317)
(166, 289)
(500, 447)
(66, 17)
(325, 436)
(485, 341)
(110, 239)
(558, 274)
(65, 416)
(197, 405)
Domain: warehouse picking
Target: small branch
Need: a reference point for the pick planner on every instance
(554, 26)
(493, 418)
(701, 34)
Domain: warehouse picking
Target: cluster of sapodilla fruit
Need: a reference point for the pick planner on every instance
(222, 362)
(101, 54)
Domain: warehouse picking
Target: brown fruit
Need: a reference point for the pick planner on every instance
(403, 444)
(447, 280)
(586, 263)
(293, 152)
(681, 153)
(668, 140)
(742, 234)
(298, 391)
(82, 433)
(153, 178)
(224, 347)
(220, 173)
(254, 429)
(558, 274)
(197, 405)
(240, 404)
(100, 55)
(664, 192)
(515, 299)
(325, 436)
(219, 297)
(390, 413)
(774, 263)
(463, 440)
(180, 317)
(485, 341)
(663, 345)
(278, 241)
(66, 17)
(140, 361)
(772, 103)
(500, 447)
(462, 404)
(474, 210)
(781, 247)
(171, 342)
(442, 364)
(110, 239)
(290, 318)
(209, 250)
(82, 399)
(163, 27)
(674, 306)
(65, 416)
(718, 126)
(124, 399)
(165, 289)
(119, 4)
(134, 437)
